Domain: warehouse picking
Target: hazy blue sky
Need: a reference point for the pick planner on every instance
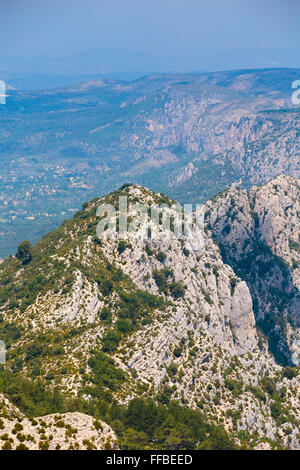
(177, 28)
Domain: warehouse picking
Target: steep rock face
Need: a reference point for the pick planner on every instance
(255, 145)
(241, 315)
(206, 280)
(258, 232)
(164, 315)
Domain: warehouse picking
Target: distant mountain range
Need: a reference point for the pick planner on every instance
(52, 71)
(125, 64)
(190, 135)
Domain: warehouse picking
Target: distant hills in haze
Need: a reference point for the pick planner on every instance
(188, 135)
(49, 71)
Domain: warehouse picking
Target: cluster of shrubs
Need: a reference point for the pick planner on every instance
(166, 285)
(133, 307)
(143, 424)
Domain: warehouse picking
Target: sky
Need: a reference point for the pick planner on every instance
(189, 31)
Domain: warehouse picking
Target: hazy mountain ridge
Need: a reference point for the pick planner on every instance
(59, 147)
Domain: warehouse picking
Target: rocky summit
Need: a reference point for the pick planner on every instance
(152, 341)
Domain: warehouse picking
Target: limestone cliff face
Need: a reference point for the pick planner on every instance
(258, 232)
(221, 124)
(207, 282)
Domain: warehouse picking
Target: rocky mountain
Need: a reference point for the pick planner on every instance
(189, 135)
(182, 334)
(258, 232)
